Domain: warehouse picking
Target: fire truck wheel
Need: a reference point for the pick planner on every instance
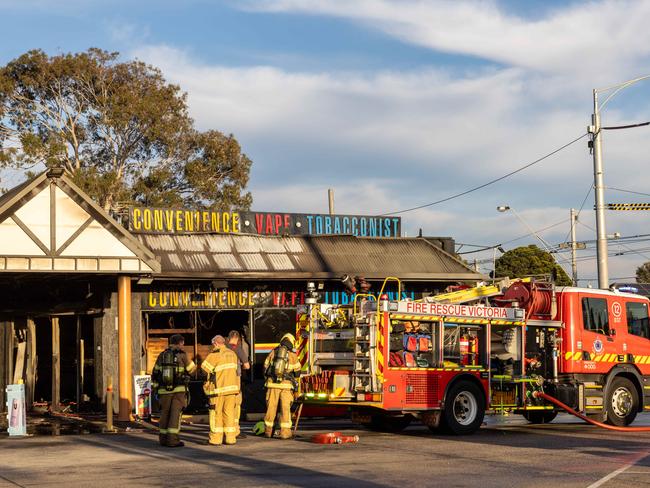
(622, 402)
(464, 409)
(540, 417)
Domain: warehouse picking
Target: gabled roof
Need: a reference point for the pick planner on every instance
(242, 256)
(49, 224)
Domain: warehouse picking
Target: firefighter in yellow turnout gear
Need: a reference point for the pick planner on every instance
(222, 388)
(169, 379)
(281, 369)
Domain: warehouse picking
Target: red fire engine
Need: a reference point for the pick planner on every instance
(447, 360)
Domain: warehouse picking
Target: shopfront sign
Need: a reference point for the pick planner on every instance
(189, 299)
(185, 221)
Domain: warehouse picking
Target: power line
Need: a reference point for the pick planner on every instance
(629, 126)
(489, 182)
(536, 232)
(629, 191)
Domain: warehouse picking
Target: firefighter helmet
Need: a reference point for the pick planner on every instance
(289, 338)
(259, 427)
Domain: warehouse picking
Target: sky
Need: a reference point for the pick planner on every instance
(395, 104)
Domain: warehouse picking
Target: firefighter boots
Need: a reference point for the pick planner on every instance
(285, 434)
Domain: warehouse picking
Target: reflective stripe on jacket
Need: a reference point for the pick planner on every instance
(221, 362)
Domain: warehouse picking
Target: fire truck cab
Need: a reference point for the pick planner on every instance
(447, 364)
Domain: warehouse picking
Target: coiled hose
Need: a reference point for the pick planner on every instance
(558, 403)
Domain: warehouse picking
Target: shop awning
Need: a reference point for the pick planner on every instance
(237, 256)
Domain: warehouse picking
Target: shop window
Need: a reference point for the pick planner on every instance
(594, 315)
(272, 323)
(637, 319)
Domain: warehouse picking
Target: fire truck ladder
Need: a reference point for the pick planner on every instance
(472, 294)
(364, 374)
(468, 295)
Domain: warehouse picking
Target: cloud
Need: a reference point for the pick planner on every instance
(389, 140)
(585, 36)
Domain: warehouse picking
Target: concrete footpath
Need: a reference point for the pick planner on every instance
(501, 454)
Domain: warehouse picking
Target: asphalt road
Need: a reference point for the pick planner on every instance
(502, 454)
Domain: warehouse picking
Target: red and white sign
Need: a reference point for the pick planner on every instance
(450, 309)
(616, 309)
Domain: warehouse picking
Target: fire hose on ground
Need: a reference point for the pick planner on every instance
(558, 403)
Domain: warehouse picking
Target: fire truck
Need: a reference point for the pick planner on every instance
(449, 359)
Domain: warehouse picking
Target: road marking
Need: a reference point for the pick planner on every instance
(614, 474)
(12, 482)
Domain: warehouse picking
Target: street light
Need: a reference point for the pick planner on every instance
(599, 187)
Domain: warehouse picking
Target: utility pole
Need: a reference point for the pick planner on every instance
(599, 190)
(330, 198)
(574, 264)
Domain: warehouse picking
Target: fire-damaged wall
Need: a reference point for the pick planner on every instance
(106, 346)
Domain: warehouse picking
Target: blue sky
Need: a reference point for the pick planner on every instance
(396, 103)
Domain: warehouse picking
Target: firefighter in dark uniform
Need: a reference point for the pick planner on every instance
(281, 367)
(170, 378)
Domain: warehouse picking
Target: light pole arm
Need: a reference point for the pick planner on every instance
(618, 88)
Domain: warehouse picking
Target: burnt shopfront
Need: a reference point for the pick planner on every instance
(256, 284)
(66, 269)
(261, 317)
(84, 299)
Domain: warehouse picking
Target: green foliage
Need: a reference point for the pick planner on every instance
(643, 273)
(530, 261)
(120, 130)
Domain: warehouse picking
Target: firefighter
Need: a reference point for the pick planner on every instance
(222, 388)
(170, 380)
(280, 369)
(235, 345)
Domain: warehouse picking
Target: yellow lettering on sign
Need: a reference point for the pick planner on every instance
(205, 221)
(235, 223)
(179, 221)
(185, 298)
(197, 220)
(232, 298)
(147, 218)
(173, 299)
(152, 298)
(226, 221)
(137, 215)
(189, 222)
(163, 299)
(251, 302)
(222, 298)
(158, 220)
(215, 222)
(169, 220)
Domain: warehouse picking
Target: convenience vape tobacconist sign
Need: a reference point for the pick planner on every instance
(152, 220)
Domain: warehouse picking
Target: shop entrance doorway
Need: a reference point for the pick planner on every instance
(65, 372)
(198, 327)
